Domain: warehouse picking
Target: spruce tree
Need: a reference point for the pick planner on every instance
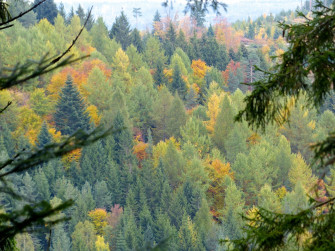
(44, 138)
(136, 40)
(46, 10)
(178, 84)
(8, 140)
(170, 41)
(159, 76)
(42, 185)
(81, 14)
(61, 10)
(121, 31)
(71, 114)
(121, 244)
(102, 195)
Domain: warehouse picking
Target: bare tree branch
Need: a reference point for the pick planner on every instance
(8, 104)
(75, 40)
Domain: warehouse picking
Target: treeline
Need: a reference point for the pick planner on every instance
(177, 168)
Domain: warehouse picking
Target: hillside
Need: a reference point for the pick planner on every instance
(177, 167)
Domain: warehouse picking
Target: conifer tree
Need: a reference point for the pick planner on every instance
(159, 76)
(44, 138)
(7, 138)
(170, 41)
(121, 244)
(136, 40)
(42, 185)
(81, 14)
(121, 31)
(224, 124)
(61, 10)
(71, 114)
(188, 236)
(102, 195)
(178, 84)
(84, 237)
(3, 151)
(176, 117)
(46, 10)
(161, 110)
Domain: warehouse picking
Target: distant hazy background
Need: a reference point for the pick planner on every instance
(237, 9)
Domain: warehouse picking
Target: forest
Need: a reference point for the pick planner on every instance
(177, 168)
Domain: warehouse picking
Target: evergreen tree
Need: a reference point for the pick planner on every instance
(70, 16)
(177, 208)
(15, 7)
(44, 138)
(161, 110)
(136, 40)
(8, 141)
(224, 124)
(235, 144)
(176, 117)
(81, 14)
(268, 200)
(188, 236)
(61, 10)
(102, 195)
(84, 237)
(121, 31)
(178, 84)
(60, 240)
(232, 212)
(170, 41)
(46, 10)
(198, 14)
(121, 244)
(148, 237)
(42, 185)
(71, 114)
(159, 76)
(27, 190)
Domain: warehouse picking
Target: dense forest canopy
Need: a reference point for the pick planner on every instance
(177, 171)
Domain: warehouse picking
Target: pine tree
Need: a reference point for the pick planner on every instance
(46, 10)
(121, 31)
(71, 114)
